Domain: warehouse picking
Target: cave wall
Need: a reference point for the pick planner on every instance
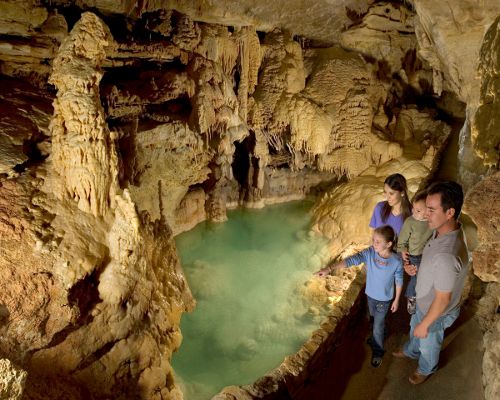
(130, 123)
(450, 37)
(482, 204)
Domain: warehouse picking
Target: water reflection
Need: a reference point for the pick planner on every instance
(248, 277)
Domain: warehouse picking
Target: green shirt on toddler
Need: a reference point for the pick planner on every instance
(413, 236)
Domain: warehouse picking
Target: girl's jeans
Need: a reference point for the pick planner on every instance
(410, 289)
(427, 350)
(378, 310)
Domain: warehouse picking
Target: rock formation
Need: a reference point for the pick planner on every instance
(11, 380)
(450, 37)
(127, 122)
(385, 33)
(482, 205)
(107, 292)
(484, 132)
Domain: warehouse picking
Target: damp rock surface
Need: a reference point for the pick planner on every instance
(12, 380)
(125, 123)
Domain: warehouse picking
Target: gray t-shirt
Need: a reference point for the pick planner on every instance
(445, 260)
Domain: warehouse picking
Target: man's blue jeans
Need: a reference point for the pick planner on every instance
(378, 310)
(427, 350)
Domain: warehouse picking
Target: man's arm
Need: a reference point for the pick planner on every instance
(436, 309)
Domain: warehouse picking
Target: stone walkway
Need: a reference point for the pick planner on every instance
(350, 376)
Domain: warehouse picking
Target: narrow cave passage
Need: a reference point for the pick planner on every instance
(349, 375)
(241, 163)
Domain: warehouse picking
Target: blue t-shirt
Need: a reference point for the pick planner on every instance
(395, 221)
(381, 273)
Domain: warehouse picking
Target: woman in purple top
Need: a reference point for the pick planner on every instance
(396, 208)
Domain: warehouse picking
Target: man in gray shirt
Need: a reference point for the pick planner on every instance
(440, 279)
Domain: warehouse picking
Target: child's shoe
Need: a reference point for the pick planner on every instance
(376, 361)
(411, 305)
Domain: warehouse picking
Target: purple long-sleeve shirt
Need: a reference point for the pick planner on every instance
(395, 221)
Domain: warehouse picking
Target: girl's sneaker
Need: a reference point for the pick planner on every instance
(376, 361)
(411, 305)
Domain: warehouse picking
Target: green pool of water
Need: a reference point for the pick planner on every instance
(246, 275)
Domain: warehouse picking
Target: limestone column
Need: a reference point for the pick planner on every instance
(83, 153)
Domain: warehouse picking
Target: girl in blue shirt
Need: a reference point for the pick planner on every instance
(384, 267)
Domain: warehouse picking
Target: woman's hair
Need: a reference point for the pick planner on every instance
(387, 233)
(397, 182)
(419, 196)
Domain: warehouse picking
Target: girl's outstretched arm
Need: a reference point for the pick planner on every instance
(329, 269)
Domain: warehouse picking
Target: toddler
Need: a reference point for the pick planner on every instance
(413, 236)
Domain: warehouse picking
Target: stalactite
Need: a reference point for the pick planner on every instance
(228, 54)
(250, 59)
(244, 70)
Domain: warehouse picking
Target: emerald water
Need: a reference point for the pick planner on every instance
(246, 275)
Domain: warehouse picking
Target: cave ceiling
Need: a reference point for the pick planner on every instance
(127, 122)
(321, 20)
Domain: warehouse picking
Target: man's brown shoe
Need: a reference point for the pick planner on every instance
(417, 378)
(399, 354)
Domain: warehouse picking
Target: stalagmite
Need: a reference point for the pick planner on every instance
(83, 151)
(126, 123)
